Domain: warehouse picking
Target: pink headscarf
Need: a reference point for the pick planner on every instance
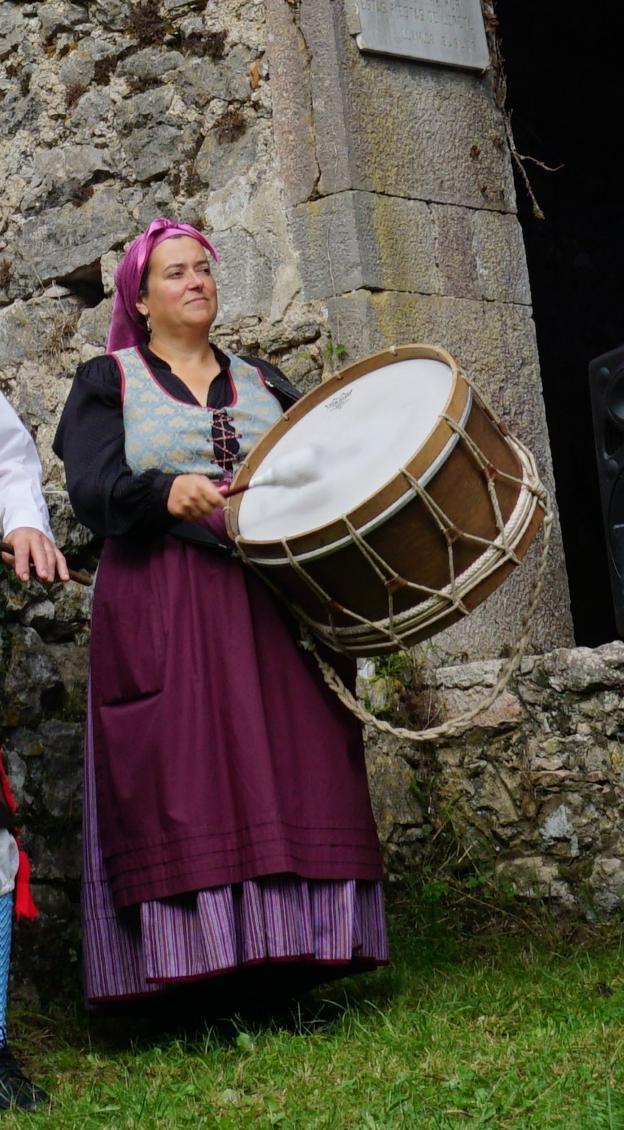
(126, 325)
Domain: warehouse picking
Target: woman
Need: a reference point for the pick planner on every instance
(227, 818)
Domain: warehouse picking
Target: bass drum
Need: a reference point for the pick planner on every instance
(423, 505)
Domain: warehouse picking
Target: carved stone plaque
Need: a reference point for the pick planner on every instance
(440, 31)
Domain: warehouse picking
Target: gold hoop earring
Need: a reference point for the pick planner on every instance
(148, 325)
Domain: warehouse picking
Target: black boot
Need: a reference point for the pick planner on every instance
(15, 1089)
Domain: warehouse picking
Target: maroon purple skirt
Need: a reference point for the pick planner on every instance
(227, 815)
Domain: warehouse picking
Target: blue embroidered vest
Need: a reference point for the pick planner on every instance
(181, 438)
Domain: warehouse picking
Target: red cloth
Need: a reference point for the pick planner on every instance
(24, 904)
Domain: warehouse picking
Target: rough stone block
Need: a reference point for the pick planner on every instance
(111, 13)
(57, 174)
(12, 29)
(398, 814)
(56, 18)
(28, 328)
(359, 239)
(480, 254)
(325, 46)
(219, 162)
(456, 268)
(151, 64)
(62, 240)
(201, 80)
(78, 68)
(500, 257)
(90, 114)
(94, 322)
(32, 676)
(293, 122)
(152, 151)
(245, 277)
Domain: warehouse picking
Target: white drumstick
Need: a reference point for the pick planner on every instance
(293, 470)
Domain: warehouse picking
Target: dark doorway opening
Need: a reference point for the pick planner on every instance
(563, 64)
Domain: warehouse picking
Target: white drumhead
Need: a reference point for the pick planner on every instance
(365, 432)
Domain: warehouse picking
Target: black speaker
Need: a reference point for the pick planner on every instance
(606, 385)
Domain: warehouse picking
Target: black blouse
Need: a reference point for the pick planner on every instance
(106, 496)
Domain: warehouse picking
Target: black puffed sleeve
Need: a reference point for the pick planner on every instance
(106, 496)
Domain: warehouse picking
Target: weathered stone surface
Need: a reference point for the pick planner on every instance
(152, 63)
(78, 68)
(70, 613)
(357, 239)
(58, 16)
(537, 800)
(291, 87)
(218, 162)
(66, 239)
(157, 199)
(70, 535)
(26, 328)
(500, 258)
(201, 80)
(151, 150)
(180, 7)
(540, 798)
(59, 173)
(428, 133)
(245, 276)
(150, 108)
(400, 819)
(479, 254)
(584, 669)
(110, 13)
(94, 322)
(11, 29)
(18, 111)
(90, 113)
(607, 885)
(360, 239)
(32, 678)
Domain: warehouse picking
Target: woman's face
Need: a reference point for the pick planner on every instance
(181, 291)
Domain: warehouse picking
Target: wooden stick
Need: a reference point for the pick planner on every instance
(80, 578)
(235, 490)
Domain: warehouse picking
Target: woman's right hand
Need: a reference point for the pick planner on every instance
(193, 496)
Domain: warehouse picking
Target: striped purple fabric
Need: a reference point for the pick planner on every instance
(279, 918)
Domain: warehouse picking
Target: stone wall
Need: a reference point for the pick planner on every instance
(533, 793)
(356, 202)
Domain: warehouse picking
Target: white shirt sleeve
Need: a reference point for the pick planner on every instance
(9, 861)
(21, 498)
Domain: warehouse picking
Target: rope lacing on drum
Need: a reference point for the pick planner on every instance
(454, 726)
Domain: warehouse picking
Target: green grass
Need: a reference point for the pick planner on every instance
(497, 1030)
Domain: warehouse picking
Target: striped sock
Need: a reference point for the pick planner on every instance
(6, 930)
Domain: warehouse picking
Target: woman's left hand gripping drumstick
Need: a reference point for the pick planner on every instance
(193, 497)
